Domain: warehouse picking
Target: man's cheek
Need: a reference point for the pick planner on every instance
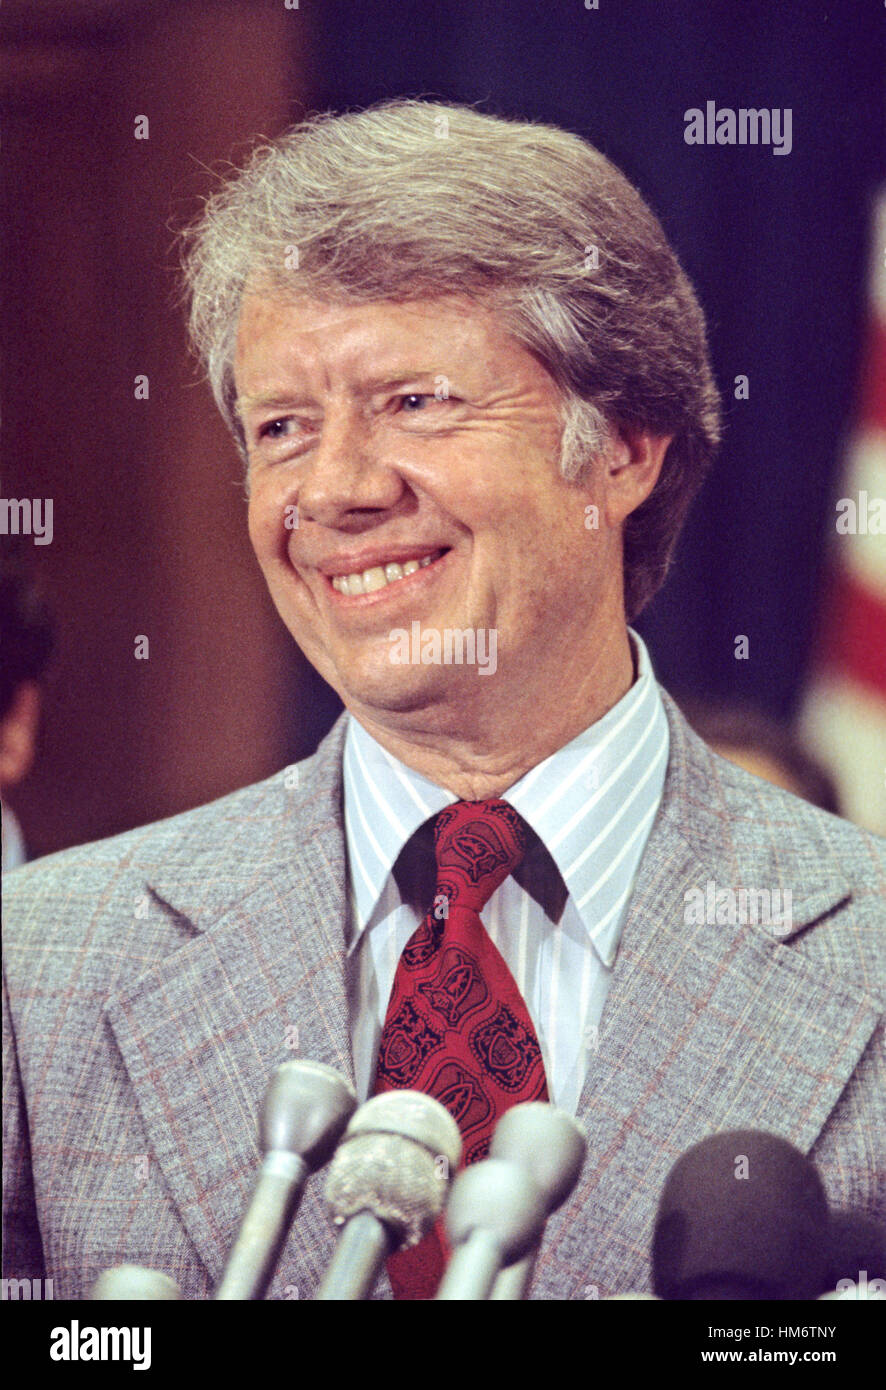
(254, 526)
(266, 531)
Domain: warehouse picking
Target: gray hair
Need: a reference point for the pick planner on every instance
(414, 199)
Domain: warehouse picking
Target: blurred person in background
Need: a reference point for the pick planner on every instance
(25, 649)
(761, 745)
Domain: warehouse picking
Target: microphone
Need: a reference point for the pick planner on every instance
(305, 1110)
(386, 1186)
(630, 1298)
(496, 1215)
(857, 1257)
(550, 1146)
(134, 1282)
(742, 1215)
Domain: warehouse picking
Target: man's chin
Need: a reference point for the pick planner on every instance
(390, 688)
(393, 697)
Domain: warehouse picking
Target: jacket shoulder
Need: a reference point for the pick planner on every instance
(213, 854)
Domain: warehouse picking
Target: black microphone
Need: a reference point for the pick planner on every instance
(387, 1185)
(742, 1215)
(856, 1257)
(305, 1111)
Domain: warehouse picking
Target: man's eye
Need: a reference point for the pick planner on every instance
(415, 401)
(274, 429)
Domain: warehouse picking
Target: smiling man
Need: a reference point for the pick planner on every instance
(470, 384)
(441, 508)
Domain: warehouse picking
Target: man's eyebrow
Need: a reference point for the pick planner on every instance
(275, 400)
(403, 378)
(268, 400)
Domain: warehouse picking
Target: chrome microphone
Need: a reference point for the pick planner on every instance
(306, 1108)
(387, 1185)
(496, 1215)
(134, 1282)
(550, 1146)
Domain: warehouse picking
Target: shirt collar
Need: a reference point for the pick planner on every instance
(385, 803)
(591, 803)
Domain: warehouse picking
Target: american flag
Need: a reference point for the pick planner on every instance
(844, 715)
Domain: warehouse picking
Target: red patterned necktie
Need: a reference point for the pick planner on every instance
(456, 1026)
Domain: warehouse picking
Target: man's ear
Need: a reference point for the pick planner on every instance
(631, 467)
(18, 734)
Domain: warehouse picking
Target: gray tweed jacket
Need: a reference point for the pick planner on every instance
(153, 981)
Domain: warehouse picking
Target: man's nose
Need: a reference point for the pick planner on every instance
(347, 474)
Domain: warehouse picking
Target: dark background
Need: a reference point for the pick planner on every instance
(149, 517)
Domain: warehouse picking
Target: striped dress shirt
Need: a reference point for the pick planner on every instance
(558, 920)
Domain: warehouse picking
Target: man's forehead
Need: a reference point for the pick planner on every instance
(384, 338)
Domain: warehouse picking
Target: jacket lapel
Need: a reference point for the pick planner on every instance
(706, 1027)
(262, 982)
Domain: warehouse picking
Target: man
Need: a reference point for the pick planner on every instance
(471, 386)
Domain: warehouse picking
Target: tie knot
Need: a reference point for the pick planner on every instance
(478, 843)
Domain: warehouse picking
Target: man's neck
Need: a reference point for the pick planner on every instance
(479, 754)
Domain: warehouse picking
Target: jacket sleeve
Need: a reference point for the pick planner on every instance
(22, 1245)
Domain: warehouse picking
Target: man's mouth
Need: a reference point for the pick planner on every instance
(381, 576)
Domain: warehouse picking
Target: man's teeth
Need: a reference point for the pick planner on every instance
(379, 577)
